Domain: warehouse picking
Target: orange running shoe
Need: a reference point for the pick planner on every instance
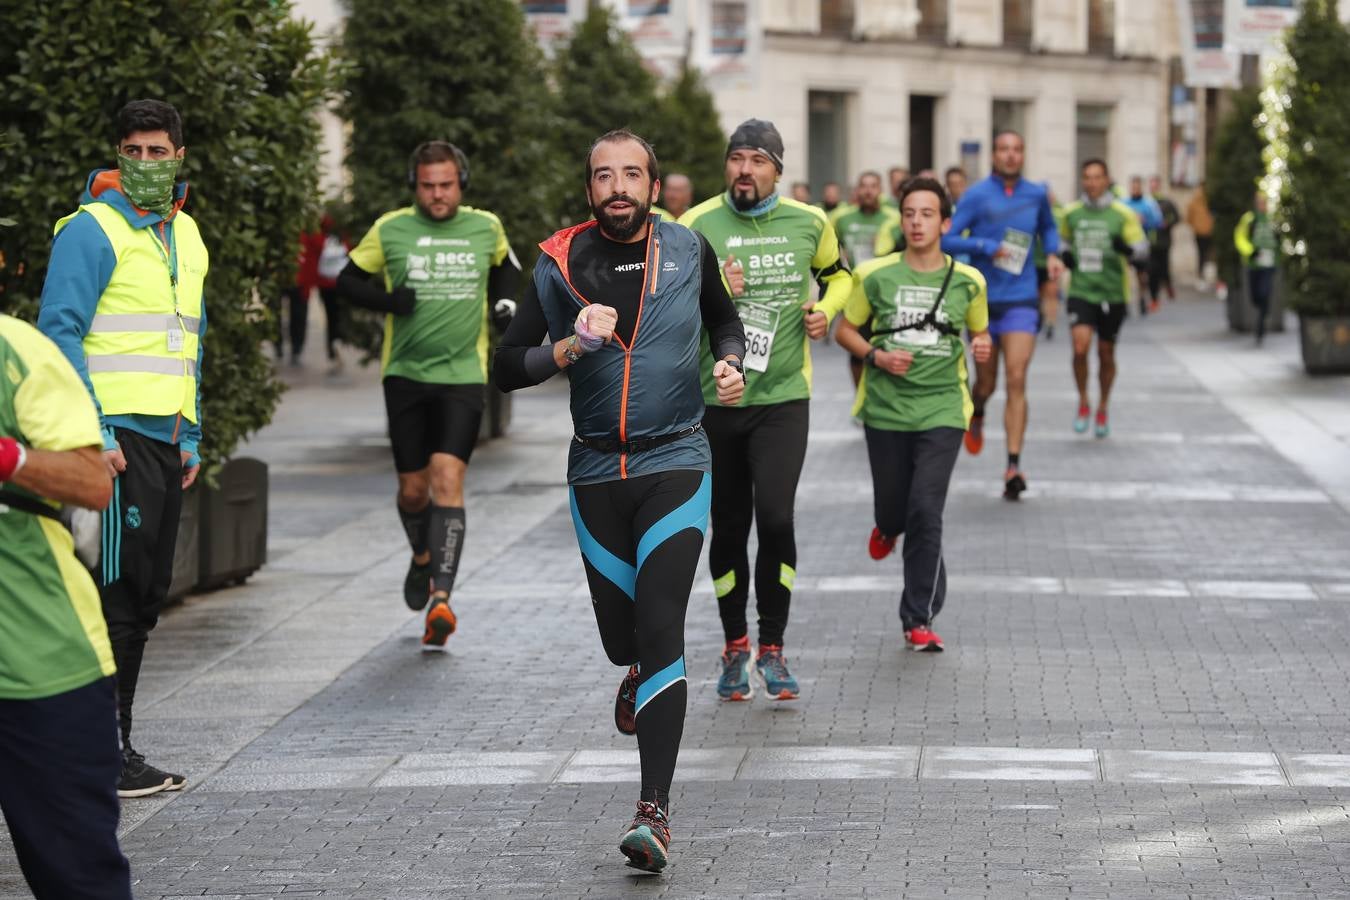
(441, 622)
(975, 436)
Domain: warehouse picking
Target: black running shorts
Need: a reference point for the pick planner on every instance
(1104, 318)
(431, 418)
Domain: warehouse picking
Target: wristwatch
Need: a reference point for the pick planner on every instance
(738, 366)
(571, 353)
(871, 357)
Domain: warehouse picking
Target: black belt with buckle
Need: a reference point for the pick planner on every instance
(606, 445)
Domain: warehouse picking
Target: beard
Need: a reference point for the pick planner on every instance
(743, 201)
(625, 226)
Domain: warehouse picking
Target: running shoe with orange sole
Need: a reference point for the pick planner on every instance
(441, 623)
(647, 841)
(974, 439)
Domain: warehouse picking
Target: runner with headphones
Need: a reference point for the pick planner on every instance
(445, 269)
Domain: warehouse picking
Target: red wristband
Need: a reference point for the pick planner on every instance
(11, 456)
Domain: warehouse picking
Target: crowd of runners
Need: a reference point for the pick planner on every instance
(685, 333)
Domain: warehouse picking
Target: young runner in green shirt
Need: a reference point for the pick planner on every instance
(1102, 235)
(771, 248)
(442, 266)
(914, 400)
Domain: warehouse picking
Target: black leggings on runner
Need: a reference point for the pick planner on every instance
(640, 541)
(757, 454)
(911, 471)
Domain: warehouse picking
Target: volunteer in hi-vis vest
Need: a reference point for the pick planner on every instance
(771, 249)
(123, 301)
(59, 756)
(1259, 245)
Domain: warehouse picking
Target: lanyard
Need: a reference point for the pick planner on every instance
(171, 263)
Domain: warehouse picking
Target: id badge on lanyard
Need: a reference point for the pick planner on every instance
(175, 337)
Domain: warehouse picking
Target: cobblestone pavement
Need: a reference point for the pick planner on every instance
(1144, 693)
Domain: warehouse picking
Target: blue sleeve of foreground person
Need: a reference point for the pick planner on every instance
(81, 266)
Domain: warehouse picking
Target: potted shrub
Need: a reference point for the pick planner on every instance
(1307, 121)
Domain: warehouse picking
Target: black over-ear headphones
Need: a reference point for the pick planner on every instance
(461, 161)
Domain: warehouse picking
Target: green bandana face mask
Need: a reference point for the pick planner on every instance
(148, 183)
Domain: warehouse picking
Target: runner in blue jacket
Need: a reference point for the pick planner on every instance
(996, 225)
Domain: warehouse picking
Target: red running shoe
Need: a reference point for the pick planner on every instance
(924, 639)
(878, 545)
(975, 436)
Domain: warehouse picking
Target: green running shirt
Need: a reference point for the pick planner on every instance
(445, 340)
(887, 294)
(1101, 274)
(778, 252)
(52, 635)
(857, 231)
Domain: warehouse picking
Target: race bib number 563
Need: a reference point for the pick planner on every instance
(761, 323)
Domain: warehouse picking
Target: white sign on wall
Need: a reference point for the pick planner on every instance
(1253, 26)
(1205, 61)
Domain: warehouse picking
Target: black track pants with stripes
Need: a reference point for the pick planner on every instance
(640, 540)
(911, 471)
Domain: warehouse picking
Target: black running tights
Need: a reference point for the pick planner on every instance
(640, 541)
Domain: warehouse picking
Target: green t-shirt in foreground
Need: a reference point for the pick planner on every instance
(888, 294)
(445, 339)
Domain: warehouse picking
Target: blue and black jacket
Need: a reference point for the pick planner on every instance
(636, 389)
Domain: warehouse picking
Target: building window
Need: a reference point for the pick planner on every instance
(1102, 27)
(1009, 115)
(836, 17)
(1017, 24)
(827, 144)
(1094, 133)
(922, 118)
(933, 21)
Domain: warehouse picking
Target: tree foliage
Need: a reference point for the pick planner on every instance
(247, 80)
(1233, 171)
(687, 135)
(602, 85)
(1307, 117)
(465, 71)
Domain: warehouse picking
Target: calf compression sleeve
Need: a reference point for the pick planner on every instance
(447, 543)
(415, 525)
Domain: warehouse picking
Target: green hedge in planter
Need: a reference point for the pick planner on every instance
(1232, 172)
(247, 79)
(1307, 119)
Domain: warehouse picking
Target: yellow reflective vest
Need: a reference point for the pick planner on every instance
(142, 344)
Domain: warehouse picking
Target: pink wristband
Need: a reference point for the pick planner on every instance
(589, 342)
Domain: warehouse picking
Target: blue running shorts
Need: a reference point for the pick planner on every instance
(1005, 318)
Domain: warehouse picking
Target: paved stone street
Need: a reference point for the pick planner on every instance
(1144, 692)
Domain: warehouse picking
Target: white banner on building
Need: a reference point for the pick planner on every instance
(728, 51)
(551, 20)
(659, 29)
(1253, 26)
(1206, 62)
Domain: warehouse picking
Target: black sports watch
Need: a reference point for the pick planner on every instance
(738, 366)
(871, 357)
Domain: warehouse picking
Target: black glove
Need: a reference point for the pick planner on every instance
(1118, 244)
(1067, 257)
(402, 300)
(503, 311)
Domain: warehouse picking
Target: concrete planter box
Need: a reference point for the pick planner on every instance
(1241, 312)
(222, 535)
(1325, 342)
